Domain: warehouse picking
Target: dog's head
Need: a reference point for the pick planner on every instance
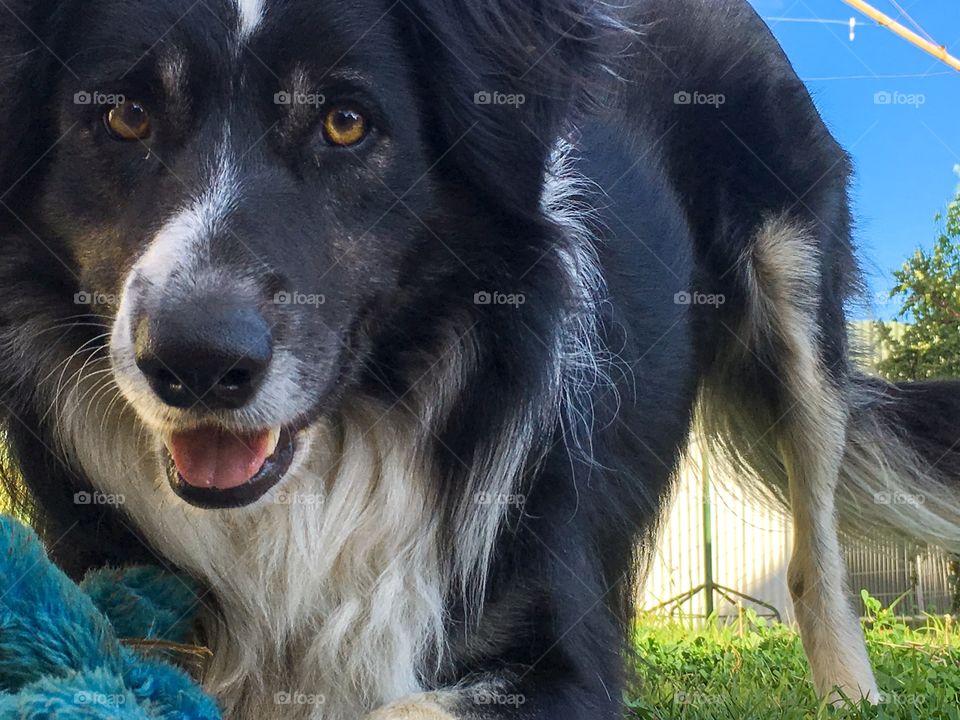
(260, 208)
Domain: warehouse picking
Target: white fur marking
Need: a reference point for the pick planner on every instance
(421, 707)
(784, 260)
(251, 13)
(177, 260)
(331, 587)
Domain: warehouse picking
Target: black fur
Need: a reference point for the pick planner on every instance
(681, 193)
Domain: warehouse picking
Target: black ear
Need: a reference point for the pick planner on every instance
(549, 47)
(28, 62)
(507, 75)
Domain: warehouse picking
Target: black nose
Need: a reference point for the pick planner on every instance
(209, 355)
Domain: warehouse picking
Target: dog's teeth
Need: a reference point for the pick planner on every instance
(273, 441)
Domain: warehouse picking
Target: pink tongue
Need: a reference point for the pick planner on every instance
(217, 458)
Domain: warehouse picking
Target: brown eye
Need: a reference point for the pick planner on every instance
(128, 121)
(344, 126)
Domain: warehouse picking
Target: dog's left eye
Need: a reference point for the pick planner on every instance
(128, 121)
(345, 126)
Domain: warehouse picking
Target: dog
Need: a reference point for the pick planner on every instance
(389, 323)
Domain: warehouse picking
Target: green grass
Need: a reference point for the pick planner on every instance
(755, 670)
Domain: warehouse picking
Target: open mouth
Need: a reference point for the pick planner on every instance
(216, 468)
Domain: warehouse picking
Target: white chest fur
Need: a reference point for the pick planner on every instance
(330, 591)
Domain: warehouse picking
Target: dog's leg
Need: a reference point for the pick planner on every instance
(811, 440)
(430, 706)
(829, 627)
(479, 701)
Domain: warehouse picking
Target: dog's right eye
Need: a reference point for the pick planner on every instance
(128, 121)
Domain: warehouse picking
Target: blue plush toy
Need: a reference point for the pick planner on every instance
(60, 650)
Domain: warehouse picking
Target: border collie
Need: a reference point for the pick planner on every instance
(388, 321)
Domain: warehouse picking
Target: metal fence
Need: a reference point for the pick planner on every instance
(716, 536)
(922, 576)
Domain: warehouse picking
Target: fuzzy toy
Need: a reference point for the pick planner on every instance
(60, 650)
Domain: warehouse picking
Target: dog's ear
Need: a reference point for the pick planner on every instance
(505, 77)
(28, 63)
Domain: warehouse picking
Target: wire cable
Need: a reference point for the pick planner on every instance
(913, 22)
(816, 21)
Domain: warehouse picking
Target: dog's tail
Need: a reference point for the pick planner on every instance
(901, 469)
(900, 474)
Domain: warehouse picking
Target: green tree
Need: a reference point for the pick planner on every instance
(929, 286)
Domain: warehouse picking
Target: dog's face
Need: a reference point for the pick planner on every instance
(274, 206)
(247, 187)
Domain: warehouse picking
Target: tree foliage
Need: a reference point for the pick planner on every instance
(929, 286)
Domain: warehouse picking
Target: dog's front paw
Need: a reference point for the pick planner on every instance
(420, 707)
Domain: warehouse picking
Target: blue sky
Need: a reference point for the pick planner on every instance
(906, 152)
